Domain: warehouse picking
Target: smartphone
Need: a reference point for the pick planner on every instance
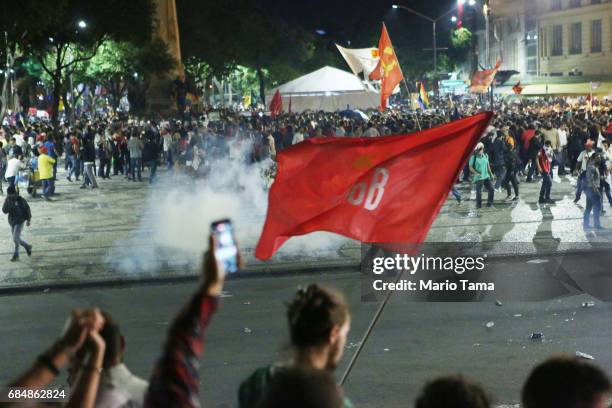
(225, 249)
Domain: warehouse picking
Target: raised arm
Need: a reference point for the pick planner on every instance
(175, 379)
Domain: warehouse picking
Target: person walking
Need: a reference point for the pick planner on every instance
(591, 190)
(499, 161)
(89, 160)
(2, 166)
(512, 162)
(49, 144)
(149, 157)
(482, 174)
(544, 163)
(72, 154)
(19, 213)
(46, 166)
(135, 147)
(582, 161)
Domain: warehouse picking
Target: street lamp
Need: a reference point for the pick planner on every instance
(433, 21)
(453, 19)
(82, 24)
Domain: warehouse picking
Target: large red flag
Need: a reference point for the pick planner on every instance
(276, 104)
(482, 79)
(388, 70)
(386, 189)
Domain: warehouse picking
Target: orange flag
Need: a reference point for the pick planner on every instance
(388, 70)
(482, 79)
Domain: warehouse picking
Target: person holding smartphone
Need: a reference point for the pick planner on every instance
(175, 380)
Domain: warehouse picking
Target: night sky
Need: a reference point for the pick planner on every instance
(358, 21)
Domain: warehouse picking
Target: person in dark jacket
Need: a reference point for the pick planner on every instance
(499, 164)
(89, 158)
(149, 157)
(591, 189)
(19, 213)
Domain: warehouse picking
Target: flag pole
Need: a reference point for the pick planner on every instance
(411, 106)
(369, 330)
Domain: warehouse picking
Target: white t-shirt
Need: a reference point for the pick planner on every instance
(297, 138)
(13, 166)
(584, 158)
(562, 137)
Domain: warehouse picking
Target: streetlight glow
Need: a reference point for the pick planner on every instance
(394, 6)
(454, 19)
(82, 24)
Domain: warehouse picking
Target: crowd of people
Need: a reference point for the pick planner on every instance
(319, 320)
(525, 142)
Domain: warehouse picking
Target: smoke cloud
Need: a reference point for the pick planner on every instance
(179, 210)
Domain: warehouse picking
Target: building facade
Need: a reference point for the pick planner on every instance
(550, 38)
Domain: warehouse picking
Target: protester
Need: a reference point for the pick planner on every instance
(481, 174)
(175, 379)
(566, 382)
(300, 387)
(592, 183)
(118, 386)
(135, 147)
(583, 159)
(19, 214)
(83, 328)
(319, 322)
(13, 165)
(88, 154)
(452, 392)
(46, 165)
(2, 167)
(544, 163)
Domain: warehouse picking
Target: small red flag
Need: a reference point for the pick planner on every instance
(386, 189)
(388, 70)
(518, 89)
(276, 104)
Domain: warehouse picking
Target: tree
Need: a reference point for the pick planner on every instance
(119, 66)
(18, 23)
(72, 31)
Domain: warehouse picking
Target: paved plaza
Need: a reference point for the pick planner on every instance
(127, 231)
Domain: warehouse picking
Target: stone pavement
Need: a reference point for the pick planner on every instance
(127, 231)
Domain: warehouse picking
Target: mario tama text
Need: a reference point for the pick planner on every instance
(424, 272)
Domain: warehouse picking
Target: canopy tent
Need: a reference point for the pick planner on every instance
(327, 89)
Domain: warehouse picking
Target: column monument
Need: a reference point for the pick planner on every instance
(160, 98)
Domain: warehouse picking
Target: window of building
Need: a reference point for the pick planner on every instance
(596, 36)
(574, 3)
(557, 40)
(576, 38)
(556, 5)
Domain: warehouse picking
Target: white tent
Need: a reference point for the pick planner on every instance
(327, 89)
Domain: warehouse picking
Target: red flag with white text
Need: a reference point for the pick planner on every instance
(385, 189)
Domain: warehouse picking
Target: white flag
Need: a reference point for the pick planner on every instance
(360, 59)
